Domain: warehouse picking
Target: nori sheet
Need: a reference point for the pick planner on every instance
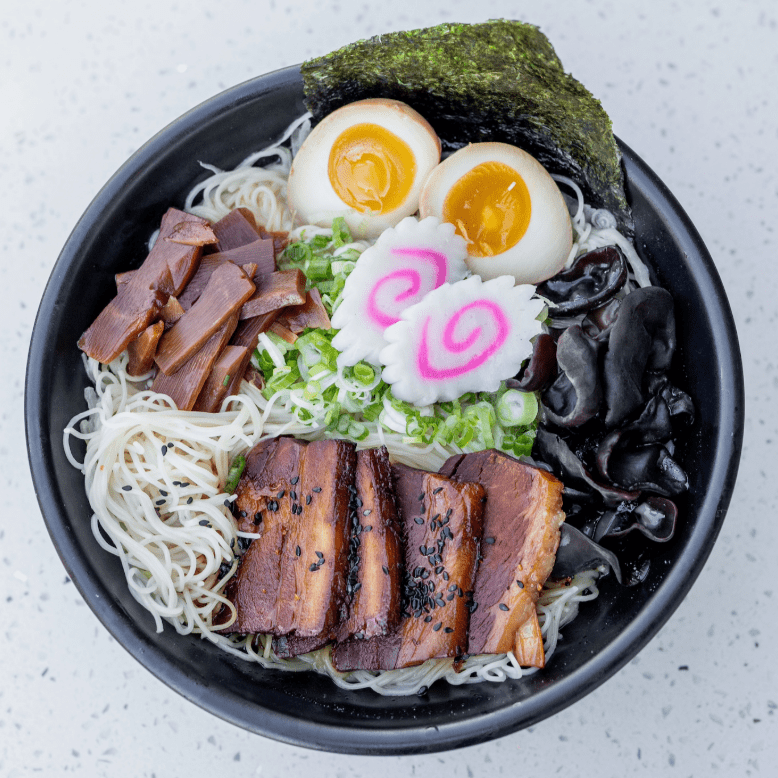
(496, 81)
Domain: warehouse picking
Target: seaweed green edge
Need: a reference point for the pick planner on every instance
(499, 80)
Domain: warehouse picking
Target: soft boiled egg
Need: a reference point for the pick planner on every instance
(507, 208)
(366, 162)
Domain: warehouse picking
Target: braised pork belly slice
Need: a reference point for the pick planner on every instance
(227, 290)
(315, 563)
(372, 604)
(292, 579)
(184, 386)
(141, 351)
(230, 363)
(522, 517)
(311, 313)
(261, 507)
(258, 253)
(274, 291)
(441, 519)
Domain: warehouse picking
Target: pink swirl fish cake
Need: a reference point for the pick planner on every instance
(463, 337)
(405, 264)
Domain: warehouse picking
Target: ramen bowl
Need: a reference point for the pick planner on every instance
(307, 709)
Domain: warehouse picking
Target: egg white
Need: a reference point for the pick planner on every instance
(544, 248)
(311, 195)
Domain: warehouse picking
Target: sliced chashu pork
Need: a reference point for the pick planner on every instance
(292, 579)
(522, 517)
(442, 523)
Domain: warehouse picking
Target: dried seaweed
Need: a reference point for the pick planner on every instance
(496, 81)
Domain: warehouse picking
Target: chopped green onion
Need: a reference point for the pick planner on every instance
(236, 471)
(226, 380)
(364, 373)
(340, 232)
(517, 408)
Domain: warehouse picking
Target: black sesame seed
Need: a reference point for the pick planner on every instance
(163, 492)
(503, 607)
(126, 488)
(449, 630)
(316, 489)
(204, 523)
(473, 607)
(520, 584)
(385, 569)
(243, 514)
(257, 517)
(449, 512)
(428, 619)
(164, 450)
(190, 500)
(293, 494)
(439, 569)
(367, 528)
(425, 574)
(357, 586)
(160, 502)
(438, 626)
(421, 496)
(358, 502)
(423, 550)
(320, 555)
(298, 551)
(295, 480)
(438, 490)
(450, 596)
(366, 512)
(313, 568)
(281, 494)
(489, 541)
(445, 576)
(232, 543)
(436, 517)
(308, 500)
(417, 519)
(440, 601)
(452, 588)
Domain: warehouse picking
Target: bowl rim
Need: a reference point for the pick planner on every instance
(286, 727)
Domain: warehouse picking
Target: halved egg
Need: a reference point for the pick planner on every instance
(367, 162)
(508, 209)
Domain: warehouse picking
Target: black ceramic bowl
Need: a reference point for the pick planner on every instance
(306, 709)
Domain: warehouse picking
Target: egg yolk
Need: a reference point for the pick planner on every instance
(490, 207)
(371, 168)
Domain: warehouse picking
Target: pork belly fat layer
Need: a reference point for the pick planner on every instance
(522, 516)
(441, 522)
(375, 558)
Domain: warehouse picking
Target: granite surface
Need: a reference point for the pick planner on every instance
(690, 86)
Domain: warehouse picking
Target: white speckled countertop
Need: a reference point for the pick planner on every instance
(690, 86)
